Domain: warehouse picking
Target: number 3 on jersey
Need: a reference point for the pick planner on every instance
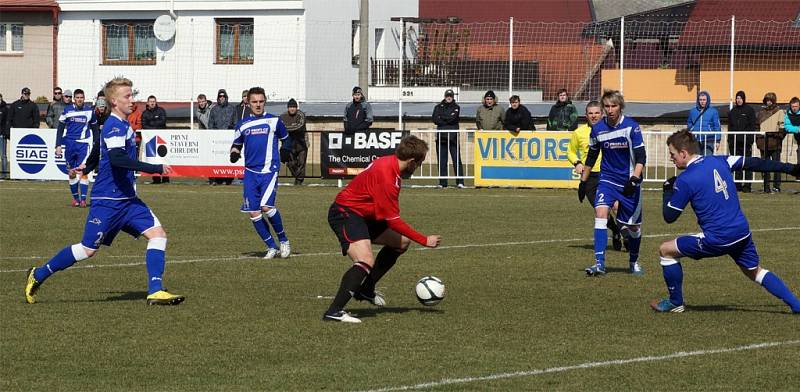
(720, 185)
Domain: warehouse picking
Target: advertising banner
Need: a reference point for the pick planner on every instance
(32, 155)
(191, 152)
(343, 155)
(530, 159)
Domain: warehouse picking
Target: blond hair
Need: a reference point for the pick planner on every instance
(113, 85)
(613, 96)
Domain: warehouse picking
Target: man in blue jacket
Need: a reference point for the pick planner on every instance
(703, 122)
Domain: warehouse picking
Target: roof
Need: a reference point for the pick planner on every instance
(662, 22)
(756, 24)
(522, 10)
(614, 9)
(28, 5)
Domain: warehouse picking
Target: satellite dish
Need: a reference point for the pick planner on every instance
(164, 28)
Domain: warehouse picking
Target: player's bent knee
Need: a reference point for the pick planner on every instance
(80, 252)
(155, 232)
(158, 243)
(634, 231)
(404, 244)
(270, 211)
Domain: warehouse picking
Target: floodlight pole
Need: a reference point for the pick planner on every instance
(400, 76)
(363, 48)
(510, 56)
(733, 35)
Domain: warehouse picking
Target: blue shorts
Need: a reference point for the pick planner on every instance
(75, 152)
(743, 252)
(630, 208)
(260, 190)
(107, 217)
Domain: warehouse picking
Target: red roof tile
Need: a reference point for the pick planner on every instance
(494, 10)
(758, 23)
(9, 5)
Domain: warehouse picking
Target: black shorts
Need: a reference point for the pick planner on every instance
(591, 186)
(351, 227)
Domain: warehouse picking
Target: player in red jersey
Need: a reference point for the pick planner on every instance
(367, 212)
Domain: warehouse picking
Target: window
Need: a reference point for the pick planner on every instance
(10, 37)
(355, 31)
(129, 43)
(234, 41)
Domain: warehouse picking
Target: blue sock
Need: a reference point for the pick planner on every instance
(84, 187)
(776, 287)
(155, 260)
(61, 261)
(673, 277)
(633, 247)
(276, 222)
(263, 231)
(73, 188)
(600, 240)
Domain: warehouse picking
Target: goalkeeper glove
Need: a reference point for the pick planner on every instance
(669, 184)
(630, 187)
(581, 191)
(235, 155)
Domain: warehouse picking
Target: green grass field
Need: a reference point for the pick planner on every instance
(519, 312)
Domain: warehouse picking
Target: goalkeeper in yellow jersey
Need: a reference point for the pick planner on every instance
(576, 152)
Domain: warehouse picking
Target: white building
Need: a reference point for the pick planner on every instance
(301, 49)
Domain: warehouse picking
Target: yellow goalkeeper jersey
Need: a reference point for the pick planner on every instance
(579, 146)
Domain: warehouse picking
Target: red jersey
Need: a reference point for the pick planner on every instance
(374, 194)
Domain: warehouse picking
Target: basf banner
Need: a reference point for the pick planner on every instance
(191, 152)
(530, 159)
(343, 155)
(32, 155)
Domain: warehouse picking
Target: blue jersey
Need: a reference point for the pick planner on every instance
(259, 135)
(115, 183)
(707, 184)
(78, 122)
(617, 143)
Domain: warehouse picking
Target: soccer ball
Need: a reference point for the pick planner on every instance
(429, 290)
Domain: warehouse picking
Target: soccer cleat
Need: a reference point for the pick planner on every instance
(31, 287)
(75, 203)
(340, 316)
(666, 306)
(596, 270)
(616, 242)
(285, 249)
(636, 269)
(271, 253)
(162, 297)
(376, 298)
(460, 186)
(83, 203)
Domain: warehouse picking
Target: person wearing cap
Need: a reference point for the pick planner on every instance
(24, 113)
(295, 148)
(490, 116)
(223, 114)
(4, 135)
(243, 108)
(56, 108)
(446, 116)
(358, 113)
(101, 110)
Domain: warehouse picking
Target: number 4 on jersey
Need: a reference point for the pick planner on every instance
(720, 185)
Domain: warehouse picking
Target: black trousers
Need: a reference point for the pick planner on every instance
(741, 145)
(447, 142)
(297, 161)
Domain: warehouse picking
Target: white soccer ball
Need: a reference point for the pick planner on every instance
(429, 290)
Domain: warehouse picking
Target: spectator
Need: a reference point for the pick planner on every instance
(792, 123)
(4, 135)
(563, 115)
(703, 122)
(135, 119)
(742, 118)
(518, 117)
(242, 109)
(24, 113)
(56, 108)
(154, 116)
(203, 111)
(770, 120)
(223, 113)
(490, 116)
(295, 148)
(358, 113)
(101, 111)
(446, 116)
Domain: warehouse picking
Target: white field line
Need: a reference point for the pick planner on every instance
(586, 365)
(235, 258)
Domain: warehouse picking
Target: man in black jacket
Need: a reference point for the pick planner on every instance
(24, 113)
(518, 117)
(742, 118)
(154, 117)
(358, 113)
(445, 116)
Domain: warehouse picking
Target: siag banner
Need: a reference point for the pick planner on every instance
(343, 155)
(191, 152)
(32, 155)
(529, 159)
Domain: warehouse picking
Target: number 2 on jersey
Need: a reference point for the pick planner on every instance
(720, 185)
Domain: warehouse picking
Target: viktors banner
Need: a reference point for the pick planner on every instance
(528, 159)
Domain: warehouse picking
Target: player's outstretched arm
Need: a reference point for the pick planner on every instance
(670, 212)
(765, 166)
(119, 158)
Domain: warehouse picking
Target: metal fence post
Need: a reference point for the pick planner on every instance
(510, 56)
(622, 54)
(733, 35)
(400, 77)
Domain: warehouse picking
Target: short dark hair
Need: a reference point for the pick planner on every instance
(256, 90)
(57, 88)
(152, 96)
(794, 100)
(593, 104)
(683, 140)
(514, 98)
(78, 91)
(201, 96)
(411, 147)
